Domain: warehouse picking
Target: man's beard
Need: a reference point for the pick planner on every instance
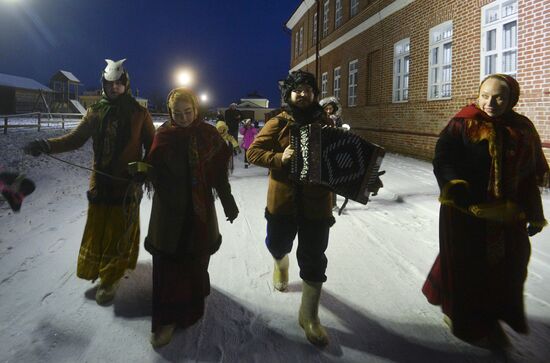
(306, 115)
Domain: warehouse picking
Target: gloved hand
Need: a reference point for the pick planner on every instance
(500, 211)
(460, 195)
(237, 150)
(139, 171)
(288, 153)
(230, 208)
(37, 147)
(533, 230)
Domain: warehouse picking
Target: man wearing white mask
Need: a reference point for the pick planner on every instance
(121, 131)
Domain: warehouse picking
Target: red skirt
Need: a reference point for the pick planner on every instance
(479, 274)
(179, 291)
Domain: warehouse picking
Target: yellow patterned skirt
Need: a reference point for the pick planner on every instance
(110, 244)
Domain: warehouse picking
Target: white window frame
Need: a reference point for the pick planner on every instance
(338, 13)
(440, 62)
(326, 11)
(353, 8)
(324, 85)
(296, 35)
(494, 18)
(336, 85)
(401, 62)
(352, 82)
(314, 35)
(301, 40)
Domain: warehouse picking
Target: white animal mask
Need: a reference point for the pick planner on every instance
(114, 70)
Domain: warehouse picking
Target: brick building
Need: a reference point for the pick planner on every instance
(403, 68)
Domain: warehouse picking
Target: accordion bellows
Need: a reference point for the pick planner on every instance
(338, 159)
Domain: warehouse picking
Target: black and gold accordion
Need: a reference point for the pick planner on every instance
(338, 159)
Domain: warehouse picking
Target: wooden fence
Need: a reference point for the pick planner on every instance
(39, 119)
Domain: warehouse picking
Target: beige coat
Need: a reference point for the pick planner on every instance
(267, 151)
(141, 136)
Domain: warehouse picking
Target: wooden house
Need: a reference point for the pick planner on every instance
(23, 95)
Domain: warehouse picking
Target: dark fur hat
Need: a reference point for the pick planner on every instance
(295, 79)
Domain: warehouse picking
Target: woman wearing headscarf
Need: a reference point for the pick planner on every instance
(489, 165)
(121, 131)
(189, 158)
(333, 109)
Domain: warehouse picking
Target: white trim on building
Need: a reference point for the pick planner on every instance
(368, 23)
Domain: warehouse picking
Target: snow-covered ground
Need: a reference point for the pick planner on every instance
(372, 305)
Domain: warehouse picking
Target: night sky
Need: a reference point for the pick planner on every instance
(234, 47)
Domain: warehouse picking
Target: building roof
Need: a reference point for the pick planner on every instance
(300, 11)
(7, 80)
(69, 76)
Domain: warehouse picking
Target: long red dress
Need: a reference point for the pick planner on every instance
(183, 230)
(479, 274)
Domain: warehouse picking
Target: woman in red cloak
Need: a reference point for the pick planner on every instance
(489, 165)
(189, 159)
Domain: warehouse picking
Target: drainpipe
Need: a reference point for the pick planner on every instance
(318, 40)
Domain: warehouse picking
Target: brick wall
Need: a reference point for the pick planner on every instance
(412, 127)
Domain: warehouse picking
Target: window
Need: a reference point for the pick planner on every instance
(353, 7)
(440, 59)
(324, 84)
(301, 41)
(336, 83)
(325, 17)
(314, 36)
(338, 14)
(352, 84)
(296, 45)
(401, 60)
(499, 43)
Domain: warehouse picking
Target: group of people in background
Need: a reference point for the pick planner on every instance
(488, 163)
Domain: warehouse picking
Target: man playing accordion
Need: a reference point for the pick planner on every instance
(293, 208)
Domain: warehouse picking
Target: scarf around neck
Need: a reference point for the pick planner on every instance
(479, 126)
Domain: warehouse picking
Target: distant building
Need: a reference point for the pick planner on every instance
(254, 106)
(23, 95)
(88, 98)
(65, 86)
(403, 68)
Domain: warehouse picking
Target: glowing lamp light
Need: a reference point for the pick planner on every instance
(184, 78)
(204, 97)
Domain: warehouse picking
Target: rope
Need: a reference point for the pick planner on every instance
(130, 204)
(89, 169)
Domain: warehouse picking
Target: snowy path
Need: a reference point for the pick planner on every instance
(372, 306)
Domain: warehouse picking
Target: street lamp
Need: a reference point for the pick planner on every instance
(184, 78)
(204, 97)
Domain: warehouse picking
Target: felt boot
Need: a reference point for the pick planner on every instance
(309, 314)
(280, 273)
(105, 293)
(162, 336)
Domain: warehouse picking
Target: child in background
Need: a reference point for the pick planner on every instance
(233, 144)
(249, 132)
